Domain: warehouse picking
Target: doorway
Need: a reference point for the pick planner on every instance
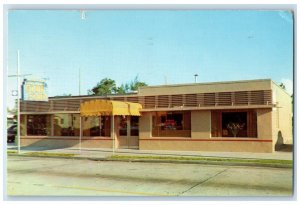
(128, 133)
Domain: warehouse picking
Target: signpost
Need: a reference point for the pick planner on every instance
(19, 110)
(33, 90)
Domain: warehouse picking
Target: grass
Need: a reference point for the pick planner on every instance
(205, 159)
(11, 152)
(48, 154)
(286, 163)
(42, 154)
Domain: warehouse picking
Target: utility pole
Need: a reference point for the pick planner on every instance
(19, 117)
(18, 100)
(79, 81)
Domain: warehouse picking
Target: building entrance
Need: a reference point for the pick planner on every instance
(128, 133)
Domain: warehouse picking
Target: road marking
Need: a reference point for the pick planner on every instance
(202, 182)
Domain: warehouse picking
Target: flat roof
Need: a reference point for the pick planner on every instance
(206, 83)
(145, 88)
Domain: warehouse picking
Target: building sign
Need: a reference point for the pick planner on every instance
(34, 90)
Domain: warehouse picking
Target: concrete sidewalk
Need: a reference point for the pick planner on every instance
(103, 153)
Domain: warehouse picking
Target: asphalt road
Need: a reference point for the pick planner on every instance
(30, 176)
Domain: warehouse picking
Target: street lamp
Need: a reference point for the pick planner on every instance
(196, 75)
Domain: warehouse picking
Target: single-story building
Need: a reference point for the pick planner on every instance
(238, 116)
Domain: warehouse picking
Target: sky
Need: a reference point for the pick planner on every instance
(159, 46)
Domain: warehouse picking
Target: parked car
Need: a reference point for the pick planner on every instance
(11, 133)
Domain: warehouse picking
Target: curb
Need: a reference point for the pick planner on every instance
(274, 165)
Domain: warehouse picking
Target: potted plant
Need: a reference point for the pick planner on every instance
(235, 127)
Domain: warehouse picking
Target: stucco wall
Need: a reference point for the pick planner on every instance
(282, 116)
(207, 145)
(201, 124)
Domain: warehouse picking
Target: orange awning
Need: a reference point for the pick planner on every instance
(109, 107)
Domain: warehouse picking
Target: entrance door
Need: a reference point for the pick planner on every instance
(128, 136)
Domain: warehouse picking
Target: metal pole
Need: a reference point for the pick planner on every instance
(19, 91)
(196, 75)
(80, 133)
(113, 133)
(79, 81)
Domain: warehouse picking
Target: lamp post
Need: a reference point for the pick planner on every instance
(196, 75)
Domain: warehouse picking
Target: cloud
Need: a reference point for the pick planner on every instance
(288, 85)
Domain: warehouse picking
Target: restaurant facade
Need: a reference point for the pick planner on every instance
(237, 116)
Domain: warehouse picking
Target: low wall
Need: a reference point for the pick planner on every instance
(214, 145)
(179, 144)
(66, 142)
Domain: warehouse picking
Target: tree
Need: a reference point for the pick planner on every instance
(108, 86)
(135, 84)
(104, 87)
(123, 89)
(282, 86)
(12, 111)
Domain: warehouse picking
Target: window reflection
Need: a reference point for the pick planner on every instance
(172, 124)
(123, 126)
(66, 124)
(38, 125)
(97, 126)
(134, 126)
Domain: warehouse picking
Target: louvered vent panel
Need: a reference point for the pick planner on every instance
(102, 98)
(163, 101)
(142, 100)
(176, 100)
(149, 101)
(35, 106)
(60, 105)
(191, 100)
(118, 99)
(200, 99)
(133, 99)
(268, 97)
(209, 99)
(257, 97)
(23, 106)
(241, 98)
(73, 105)
(224, 99)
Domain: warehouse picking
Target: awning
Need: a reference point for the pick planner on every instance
(109, 107)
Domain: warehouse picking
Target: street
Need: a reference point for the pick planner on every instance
(33, 176)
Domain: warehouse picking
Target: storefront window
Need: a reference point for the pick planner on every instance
(96, 126)
(172, 124)
(66, 124)
(38, 125)
(234, 124)
(134, 126)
